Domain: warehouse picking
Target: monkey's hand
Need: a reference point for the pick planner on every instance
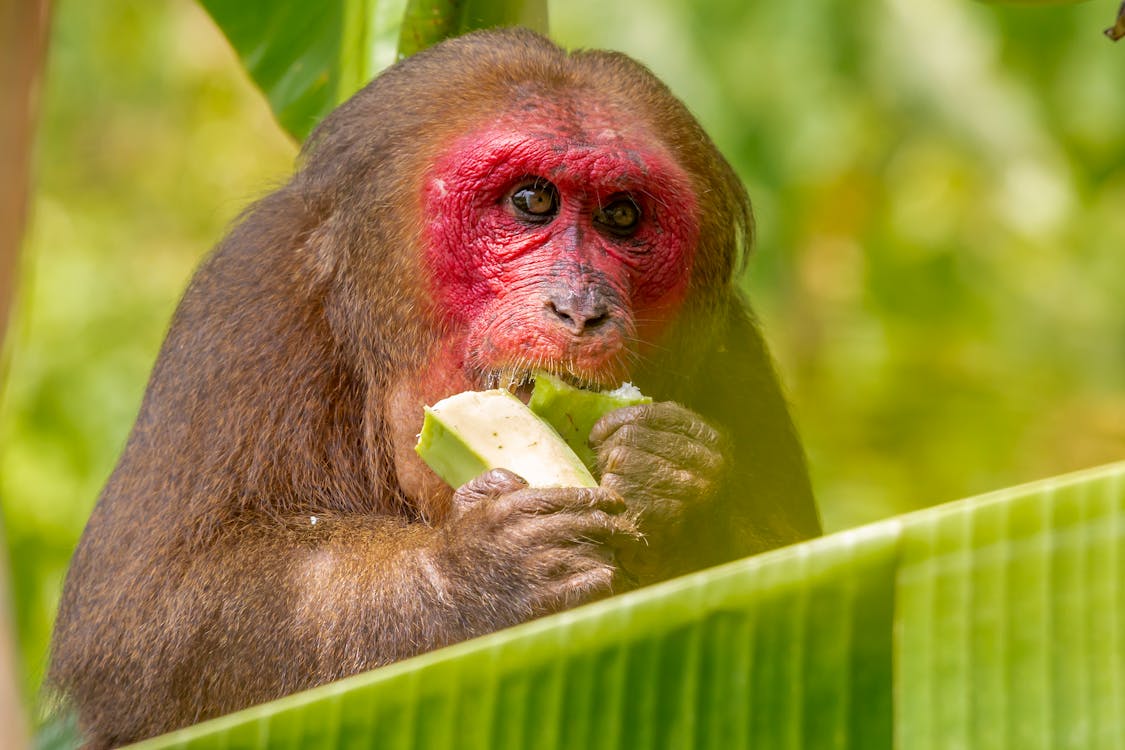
(667, 463)
(535, 550)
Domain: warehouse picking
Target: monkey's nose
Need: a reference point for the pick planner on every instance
(578, 312)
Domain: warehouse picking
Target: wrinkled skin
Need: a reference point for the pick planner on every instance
(486, 209)
(562, 538)
(670, 463)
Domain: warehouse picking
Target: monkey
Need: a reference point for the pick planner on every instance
(489, 208)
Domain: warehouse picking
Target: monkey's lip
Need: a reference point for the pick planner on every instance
(523, 391)
(521, 383)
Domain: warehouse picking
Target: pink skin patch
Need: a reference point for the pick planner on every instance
(495, 273)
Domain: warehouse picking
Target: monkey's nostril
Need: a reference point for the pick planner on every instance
(597, 320)
(576, 316)
(560, 314)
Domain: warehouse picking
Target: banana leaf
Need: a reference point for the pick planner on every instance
(307, 57)
(993, 622)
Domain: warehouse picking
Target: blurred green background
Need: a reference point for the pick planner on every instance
(940, 268)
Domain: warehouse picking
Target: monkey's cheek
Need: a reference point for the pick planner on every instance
(404, 410)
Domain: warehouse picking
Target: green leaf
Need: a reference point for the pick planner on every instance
(307, 57)
(292, 50)
(427, 22)
(991, 622)
(59, 732)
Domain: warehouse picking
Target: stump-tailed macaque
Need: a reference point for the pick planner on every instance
(486, 209)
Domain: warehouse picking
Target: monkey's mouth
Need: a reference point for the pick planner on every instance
(520, 383)
(523, 391)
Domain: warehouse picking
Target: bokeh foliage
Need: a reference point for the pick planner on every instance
(940, 192)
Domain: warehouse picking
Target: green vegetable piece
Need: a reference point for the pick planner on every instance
(469, 433)
(573, 411)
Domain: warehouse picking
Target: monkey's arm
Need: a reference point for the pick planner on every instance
(271, 605)
(717, 481)
(767, 491)
(347, 594)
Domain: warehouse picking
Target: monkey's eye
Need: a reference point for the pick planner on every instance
(536, 201)
(619, 217)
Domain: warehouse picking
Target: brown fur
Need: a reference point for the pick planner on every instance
(287, 387)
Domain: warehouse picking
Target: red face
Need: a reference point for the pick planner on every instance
(557, 242)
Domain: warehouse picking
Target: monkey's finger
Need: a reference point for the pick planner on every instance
(518, 515)
(582, 586)
(570, 528)
(633, 473)
(678, 450)
(556, 563)
(666, 488)
(540, 501)
(488, 485)
(664, 416)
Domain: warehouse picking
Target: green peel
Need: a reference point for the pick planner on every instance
(574, 411)
(545, 442)
(469, 433)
